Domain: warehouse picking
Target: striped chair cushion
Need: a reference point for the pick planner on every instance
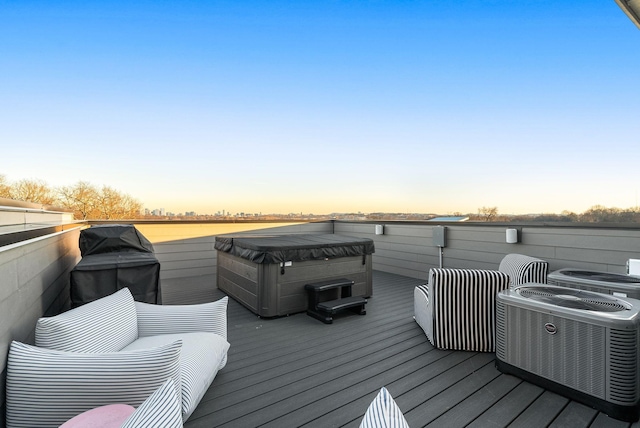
(161, 409)
(173, 319)
(522, 269)
(45, 388)
(383, 412)
(463, 304)
(104, 325)
(200, 359)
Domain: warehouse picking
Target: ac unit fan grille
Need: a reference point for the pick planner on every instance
(573, 298)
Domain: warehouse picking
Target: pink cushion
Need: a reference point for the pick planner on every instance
(111, 416)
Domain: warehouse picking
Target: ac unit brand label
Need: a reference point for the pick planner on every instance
(551, 328)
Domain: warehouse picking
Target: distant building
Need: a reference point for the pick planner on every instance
(449, 218)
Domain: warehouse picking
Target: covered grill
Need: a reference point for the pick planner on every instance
(114, 257)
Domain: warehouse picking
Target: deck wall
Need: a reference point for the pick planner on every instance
(409, 250)
(34, 282)
(188, 258)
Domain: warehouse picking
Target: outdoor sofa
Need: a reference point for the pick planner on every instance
(114, 350)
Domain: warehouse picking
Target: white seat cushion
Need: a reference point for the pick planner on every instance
(200, 360)
(422, 310)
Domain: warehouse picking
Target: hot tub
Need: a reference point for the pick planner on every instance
(601, 282)
(267, 274)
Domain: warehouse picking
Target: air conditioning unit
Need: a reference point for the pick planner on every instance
(578, 343)
(617, 284)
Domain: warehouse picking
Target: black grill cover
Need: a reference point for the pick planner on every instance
(113, 238)
(279, 249)
(99, 275)
(115, 256)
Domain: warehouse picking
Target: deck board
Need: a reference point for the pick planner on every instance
(508, 407)
(295, 371)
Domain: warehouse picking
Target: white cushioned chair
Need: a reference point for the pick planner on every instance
(456, 308)
(114, 350)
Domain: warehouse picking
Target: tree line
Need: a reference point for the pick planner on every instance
(595, 214)
(87, 201)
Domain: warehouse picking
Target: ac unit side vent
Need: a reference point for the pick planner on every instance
(623, 367)
(501, 323)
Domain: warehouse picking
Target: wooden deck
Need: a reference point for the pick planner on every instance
(296, 371)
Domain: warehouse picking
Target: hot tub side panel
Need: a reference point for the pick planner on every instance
(268, 292)
(239, 279)
(290, 296)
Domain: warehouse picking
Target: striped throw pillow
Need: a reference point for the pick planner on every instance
(104, 325)
(161, 409)
(46, 388)
(383, 412)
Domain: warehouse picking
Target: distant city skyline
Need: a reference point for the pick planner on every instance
(321, 107)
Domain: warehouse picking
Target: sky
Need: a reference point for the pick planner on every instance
(325, 106)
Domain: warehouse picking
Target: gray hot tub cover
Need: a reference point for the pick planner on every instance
(295, 248)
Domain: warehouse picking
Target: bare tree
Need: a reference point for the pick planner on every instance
(602, 214)
(35, 191)
(5, 188)
(82, 198)
(114, 205)
(488, 213)
(130, 207)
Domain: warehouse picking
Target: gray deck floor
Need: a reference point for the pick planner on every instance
(298, 372)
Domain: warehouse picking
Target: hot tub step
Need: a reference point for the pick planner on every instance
(324, 310)
(333, 306)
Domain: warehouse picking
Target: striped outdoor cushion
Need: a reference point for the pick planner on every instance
(200, 359)
(422, 310)
(463, 302)
(522, 269)
(161, 409)
(45, 388)
(172, 319)
(104, 325)
(383, 412)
